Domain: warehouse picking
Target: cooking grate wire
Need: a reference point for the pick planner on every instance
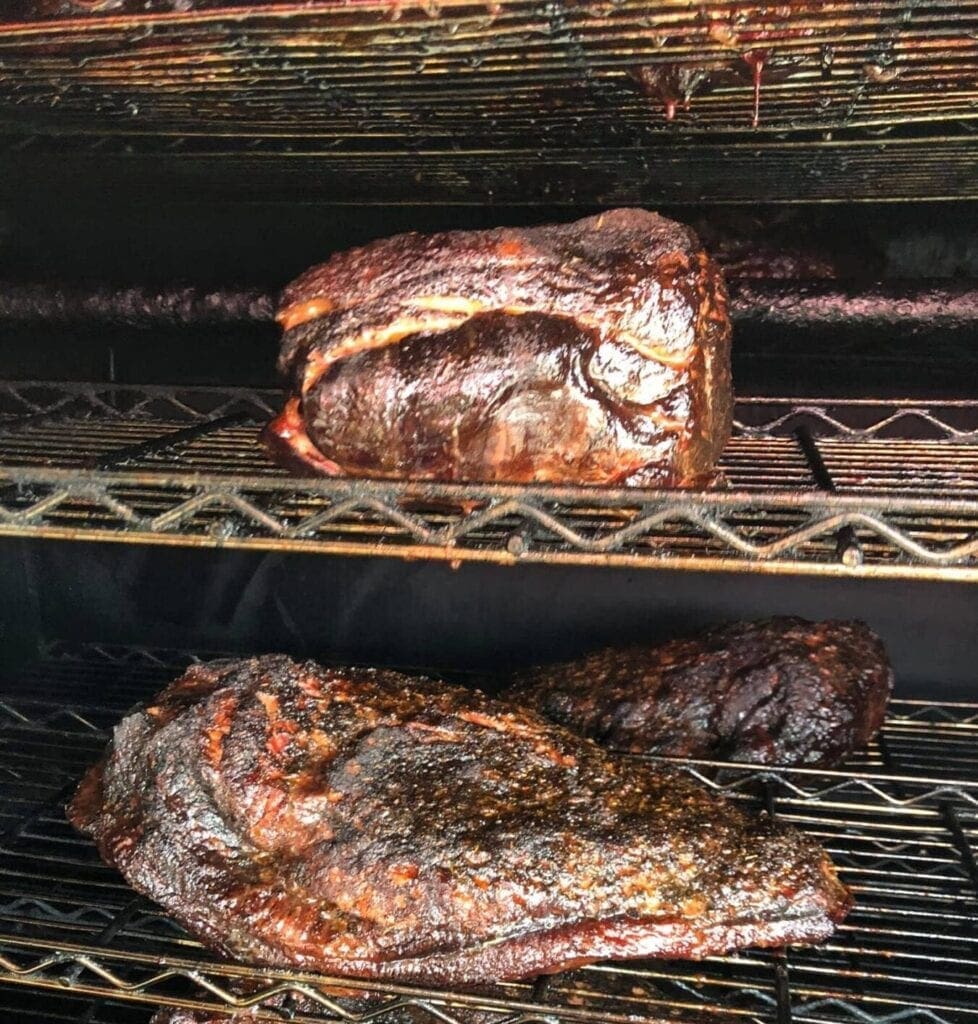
(185, 466)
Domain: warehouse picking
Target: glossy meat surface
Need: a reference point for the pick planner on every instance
(776, 691)
(369, 824)
(595, 352)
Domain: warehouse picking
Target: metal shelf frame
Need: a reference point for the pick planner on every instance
(900, 819)
(839, 488)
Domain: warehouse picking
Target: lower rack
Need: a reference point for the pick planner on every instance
(858, 488)
(900, 820)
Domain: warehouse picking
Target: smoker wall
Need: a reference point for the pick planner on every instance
(475, 617)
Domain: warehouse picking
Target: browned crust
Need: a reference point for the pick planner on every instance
(628, 280)
(368, 824)
(775, 691)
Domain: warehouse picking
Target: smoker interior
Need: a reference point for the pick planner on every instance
(154, 147)
(112, 582)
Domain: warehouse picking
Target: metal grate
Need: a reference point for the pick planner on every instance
(507, 100)
(847, 487)
(405, 72)
(901, 821)
(843, 168)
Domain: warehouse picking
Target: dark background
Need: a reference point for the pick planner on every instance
(430, 616)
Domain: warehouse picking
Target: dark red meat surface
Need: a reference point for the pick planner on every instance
(369, 824)
(777, 691)
(595, 352)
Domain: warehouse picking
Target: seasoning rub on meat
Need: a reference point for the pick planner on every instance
(775, 691)
(370, 824)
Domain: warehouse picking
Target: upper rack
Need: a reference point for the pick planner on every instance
(399, 71)
(848, 487)
(496, 100)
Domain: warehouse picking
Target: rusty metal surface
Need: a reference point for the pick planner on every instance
(530, 101)
(396, 70)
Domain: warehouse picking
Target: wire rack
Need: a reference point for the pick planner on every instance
(505, 100)
(901, 822)
(848, 487)
(407, 71)
(874, 166)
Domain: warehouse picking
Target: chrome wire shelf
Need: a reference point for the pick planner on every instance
(901, 821)
(861, 488)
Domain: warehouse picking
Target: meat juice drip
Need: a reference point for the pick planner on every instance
(672, 84)
(755, 60)
(660, 83)
(751, 25)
